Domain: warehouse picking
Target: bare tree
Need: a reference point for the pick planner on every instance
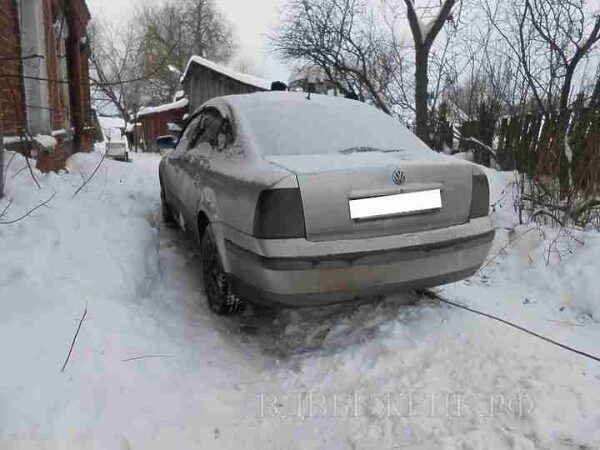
(343, 39)
(245, 64)
(424, 36)
(549, 40)
(174, 31)
(140, 64)
(117, 71)
(350, 42)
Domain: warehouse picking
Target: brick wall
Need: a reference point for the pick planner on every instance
(12, 108)
(66, 111)
(87, 141)
(78, 17)
(54, 160)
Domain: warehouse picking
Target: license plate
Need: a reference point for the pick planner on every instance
(410, 202)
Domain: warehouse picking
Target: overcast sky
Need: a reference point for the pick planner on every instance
(252, 20)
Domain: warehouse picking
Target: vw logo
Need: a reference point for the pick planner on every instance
(398, 177)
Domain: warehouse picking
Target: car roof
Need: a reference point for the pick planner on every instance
(276, 100)
(290, 122)
(283, 98)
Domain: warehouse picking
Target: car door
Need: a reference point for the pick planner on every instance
(173, 174)
(195, 191)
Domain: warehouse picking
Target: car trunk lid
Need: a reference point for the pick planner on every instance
(329, 182)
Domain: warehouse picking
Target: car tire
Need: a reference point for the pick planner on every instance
(167, 214)
(220, 295)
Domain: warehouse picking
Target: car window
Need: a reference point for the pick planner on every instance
(182, 144)
(213, 129)
(323, 125)
(191, 128)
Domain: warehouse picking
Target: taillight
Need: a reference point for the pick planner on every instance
(279, 214)
(480, 196)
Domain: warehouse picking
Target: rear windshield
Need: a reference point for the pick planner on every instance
(297, 126)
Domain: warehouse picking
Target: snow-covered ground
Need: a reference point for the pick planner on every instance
(152, 368)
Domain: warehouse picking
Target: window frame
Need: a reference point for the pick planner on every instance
(196, 121)
(212, 139)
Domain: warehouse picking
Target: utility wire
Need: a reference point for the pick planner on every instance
(434, 296)
(21, 58)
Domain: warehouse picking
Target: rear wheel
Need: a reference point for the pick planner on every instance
(219, 292)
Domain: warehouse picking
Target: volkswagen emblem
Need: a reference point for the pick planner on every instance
(398, 177)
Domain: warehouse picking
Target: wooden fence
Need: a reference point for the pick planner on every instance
(528, 143)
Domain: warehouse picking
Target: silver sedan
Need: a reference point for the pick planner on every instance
(301, 200)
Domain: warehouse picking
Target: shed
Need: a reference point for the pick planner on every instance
(204, 79)
(159, 120)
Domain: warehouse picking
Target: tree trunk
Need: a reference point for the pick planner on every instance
(421, 94)
(564, 171)
(423, 39)
(564, 115)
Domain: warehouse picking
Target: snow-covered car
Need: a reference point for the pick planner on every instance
(303, 200)
(117, 149)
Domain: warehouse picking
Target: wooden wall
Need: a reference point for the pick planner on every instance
(202, 84)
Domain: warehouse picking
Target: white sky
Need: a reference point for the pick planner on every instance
(252, 21)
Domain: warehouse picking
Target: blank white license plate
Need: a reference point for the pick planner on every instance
(363, 208)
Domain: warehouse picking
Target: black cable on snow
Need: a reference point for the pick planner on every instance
(434, 296)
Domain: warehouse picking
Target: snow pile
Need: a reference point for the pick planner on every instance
(45, 141)
(55, 263)
(61, 132)
(42, 247)
(562, 263)
(153, 369)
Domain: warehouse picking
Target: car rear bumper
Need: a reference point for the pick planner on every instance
(297, 272)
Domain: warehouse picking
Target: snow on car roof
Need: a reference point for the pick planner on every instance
(288, 123)
(238, 76)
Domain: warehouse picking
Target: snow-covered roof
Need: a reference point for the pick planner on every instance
(238, 76)
(161, 108)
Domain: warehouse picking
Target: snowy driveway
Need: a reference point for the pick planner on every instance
(152, 368)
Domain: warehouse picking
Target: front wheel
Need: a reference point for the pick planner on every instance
(167, 214)
(219, 292)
